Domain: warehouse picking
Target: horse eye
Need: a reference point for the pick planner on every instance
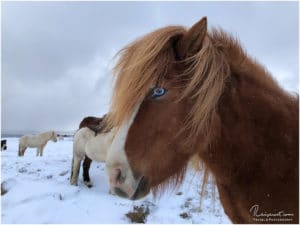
(158, 92)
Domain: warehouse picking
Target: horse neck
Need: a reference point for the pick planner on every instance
(47, 135)
(252, 116)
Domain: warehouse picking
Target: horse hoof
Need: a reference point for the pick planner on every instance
(88, 184)
(111, 193)
(74, 183)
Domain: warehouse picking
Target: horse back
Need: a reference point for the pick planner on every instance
(33, 140)
(96, 124)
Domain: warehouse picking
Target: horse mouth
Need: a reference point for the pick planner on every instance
(120, 193)
(142, 189)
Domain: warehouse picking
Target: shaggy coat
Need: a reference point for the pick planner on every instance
(38, 141)
(221, 105)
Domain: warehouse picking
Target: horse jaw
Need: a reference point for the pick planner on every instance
(117, 161)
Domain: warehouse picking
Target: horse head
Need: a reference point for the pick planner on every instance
(53, 136)
(162, 106)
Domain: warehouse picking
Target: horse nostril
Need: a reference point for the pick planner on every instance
(117, 177)
(119, 174)
(121, 177)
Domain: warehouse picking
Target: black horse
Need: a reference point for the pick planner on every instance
(3, 145)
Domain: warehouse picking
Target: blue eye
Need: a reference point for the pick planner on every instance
(158, 92)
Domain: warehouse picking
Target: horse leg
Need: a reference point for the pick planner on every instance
(203, 188)
(72, 169)
(23, 150)
(86, 167)
(42, 150)
(20, 150)
(37, 151)
(75, 170)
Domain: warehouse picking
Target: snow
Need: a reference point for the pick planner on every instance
(39, 192)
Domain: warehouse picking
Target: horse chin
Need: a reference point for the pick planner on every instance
(142, 189)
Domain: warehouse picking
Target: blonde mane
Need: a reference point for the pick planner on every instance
(231, 101)
(146, 60)
(140, 65)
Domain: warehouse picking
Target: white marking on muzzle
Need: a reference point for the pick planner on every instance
(116, 159)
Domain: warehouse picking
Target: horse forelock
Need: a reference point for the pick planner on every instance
(141, 64)
(208, 72)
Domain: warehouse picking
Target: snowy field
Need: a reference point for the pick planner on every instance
(38, 191)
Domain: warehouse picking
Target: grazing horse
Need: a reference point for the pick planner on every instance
(183, 92)
(95, 124)
(38, 141)
(90, 143)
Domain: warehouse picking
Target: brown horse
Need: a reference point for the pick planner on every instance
(180, 92)
(94, 123)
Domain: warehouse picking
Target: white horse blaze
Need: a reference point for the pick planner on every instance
(117, 160)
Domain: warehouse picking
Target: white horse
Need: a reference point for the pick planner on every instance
(38, 141)
(86, 143)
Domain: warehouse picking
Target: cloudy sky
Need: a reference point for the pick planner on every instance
(57, 56)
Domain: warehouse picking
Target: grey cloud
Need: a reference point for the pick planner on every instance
(57, 56)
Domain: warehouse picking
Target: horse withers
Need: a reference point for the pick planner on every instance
(183, 92)
(38, 141)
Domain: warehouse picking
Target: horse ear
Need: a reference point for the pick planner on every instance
(191, 42)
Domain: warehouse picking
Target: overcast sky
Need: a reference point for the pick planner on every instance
(57, 56)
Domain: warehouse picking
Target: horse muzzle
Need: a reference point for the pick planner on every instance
(132, 191)
(142, 189)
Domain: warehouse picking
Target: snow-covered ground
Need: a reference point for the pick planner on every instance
(39, 192)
